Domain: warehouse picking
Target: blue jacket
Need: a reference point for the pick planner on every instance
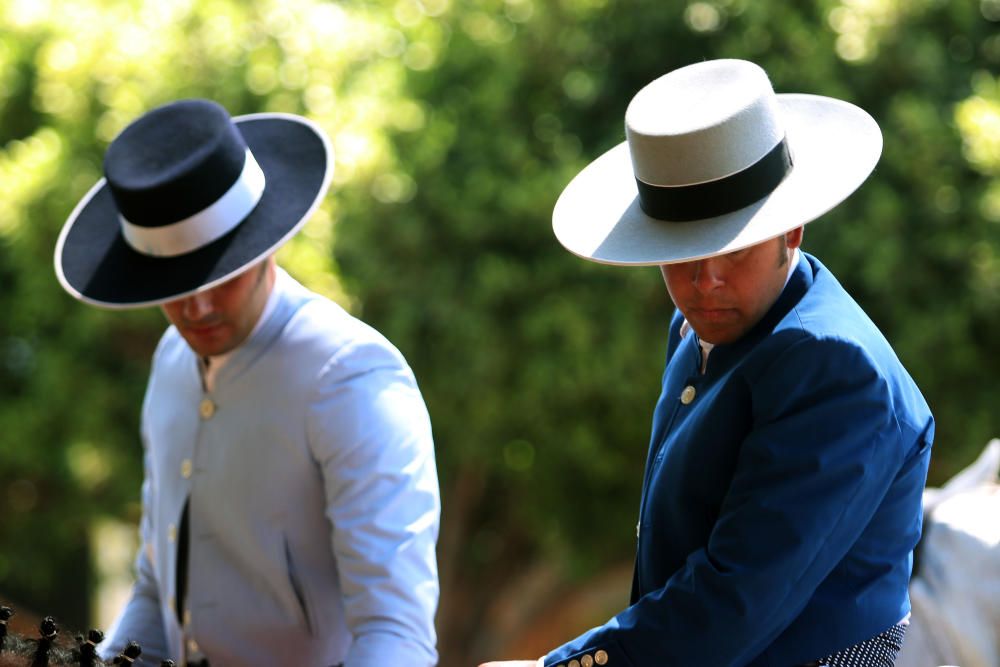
(781, 505)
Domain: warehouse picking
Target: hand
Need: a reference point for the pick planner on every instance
(515, 663)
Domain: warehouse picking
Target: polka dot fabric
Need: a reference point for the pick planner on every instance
(879, 651)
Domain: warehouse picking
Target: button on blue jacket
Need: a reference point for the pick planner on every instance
(781, 503)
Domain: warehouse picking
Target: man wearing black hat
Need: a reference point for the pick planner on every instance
(290, 498)
(782, 494)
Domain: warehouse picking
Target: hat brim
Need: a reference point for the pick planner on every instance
(834, 147)
(95, 264)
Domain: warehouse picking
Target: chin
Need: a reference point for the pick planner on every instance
(205, 349)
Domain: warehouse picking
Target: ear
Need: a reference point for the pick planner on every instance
(793, 239)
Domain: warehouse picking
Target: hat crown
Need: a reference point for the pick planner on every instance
(173, 162)
(701, 123)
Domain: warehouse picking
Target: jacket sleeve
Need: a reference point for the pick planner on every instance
(370, 431)
(823, 451)
(141, 618)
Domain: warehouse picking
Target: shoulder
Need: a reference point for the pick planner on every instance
(827, 350)
(823, 338)
(171, 350)
(832, 321)
(820, 350)
(336, 341)
(825, 323)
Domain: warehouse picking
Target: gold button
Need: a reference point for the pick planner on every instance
(574, 663)
(192, 646)
(687, 396)
(171, 532)
(207, 408)
(586, 661)
(186, 468)
(187, 617)
(601, 657)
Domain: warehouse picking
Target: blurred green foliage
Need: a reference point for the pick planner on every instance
(455, 125)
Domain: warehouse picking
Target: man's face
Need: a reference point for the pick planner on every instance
(217, 320)
(723, 297)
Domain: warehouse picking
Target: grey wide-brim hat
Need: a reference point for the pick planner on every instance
(714, 161)
(190, 199)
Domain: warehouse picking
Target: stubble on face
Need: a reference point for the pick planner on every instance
(783, 252)
(724, 296)
(219, 319)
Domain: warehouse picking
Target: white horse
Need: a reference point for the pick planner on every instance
(955, 590)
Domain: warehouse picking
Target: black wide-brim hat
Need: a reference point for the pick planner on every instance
(191, 198)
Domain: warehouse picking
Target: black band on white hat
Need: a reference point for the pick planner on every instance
(713, 198)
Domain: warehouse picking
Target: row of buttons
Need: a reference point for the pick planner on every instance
(206, 409)
(599, 658)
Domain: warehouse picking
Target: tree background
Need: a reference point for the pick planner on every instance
(456, 123)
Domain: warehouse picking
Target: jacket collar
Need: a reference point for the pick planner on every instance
(288, 297)
(798, 284)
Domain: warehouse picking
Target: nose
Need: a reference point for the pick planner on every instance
(197, 306)
(708, 274)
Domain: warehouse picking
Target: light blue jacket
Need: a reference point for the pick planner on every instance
(314, 501)
(782, 495)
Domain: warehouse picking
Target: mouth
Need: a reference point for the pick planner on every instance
(204, 330)
(714, 314)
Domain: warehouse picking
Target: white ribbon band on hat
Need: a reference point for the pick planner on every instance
(205, 226)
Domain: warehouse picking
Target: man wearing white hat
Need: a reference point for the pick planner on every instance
(782, 493)
(290, 498)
